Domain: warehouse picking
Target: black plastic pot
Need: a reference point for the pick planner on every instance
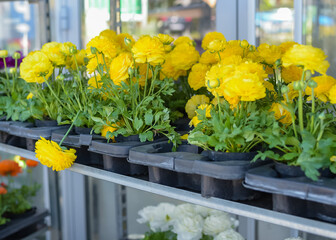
(167, 167)
(82, 130)
(286, 171)
(182, 124)
(223, 175)
(25, 214)
(115, 155)
(45, 123)
(6, 137)
(298, 196)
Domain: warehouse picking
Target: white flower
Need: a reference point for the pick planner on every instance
(203, 211)
(184, 210)
(229, 234)
(159, 218)
(189, 228)
(215, 224)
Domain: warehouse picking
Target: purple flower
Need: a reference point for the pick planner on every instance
(11, 61)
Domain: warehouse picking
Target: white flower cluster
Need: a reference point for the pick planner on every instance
(190, 222)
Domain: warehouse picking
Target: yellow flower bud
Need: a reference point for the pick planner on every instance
(16, 55)
(213, 83)
(3, 53)
(216, 46)
(12, 70)
(244, 44)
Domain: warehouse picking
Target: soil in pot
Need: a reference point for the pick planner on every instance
(45, 123)
(82, 130)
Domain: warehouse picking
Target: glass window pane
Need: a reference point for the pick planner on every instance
(193, 18)
(96, 18)
(319, 28)
(274, 21)
(19, 26)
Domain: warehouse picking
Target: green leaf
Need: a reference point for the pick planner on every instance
(149, 118)
(137, 123)
(146, 136)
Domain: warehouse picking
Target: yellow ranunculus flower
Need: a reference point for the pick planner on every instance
(194, 121)
(291, 73)
(286, 45)
(95, 82)
(232, 48)
(232, 60)
(216, 74)
(207, 108)
(109, 47)
(292, 92)
(269, 53)
(252, 67)
(52, 50)
(165, 38)
(332, 95)
(80, 55)
(281, 112)
(269, 86)
(185, 136)
(35, 67)
(110, 34)
(30, 96)
(183, 39)
(49, 153)
(93, 64)
(107, 129)
(121, 40)
(119, 67)
(193, 103)
(149, 50)
(3, 53)
(184, 56)
(208, 58)
(169, 70)
(216, 45)
(65, 48)
(324, 84)
(196, 78)
(246, 86)
(309, 57)
(209, 37)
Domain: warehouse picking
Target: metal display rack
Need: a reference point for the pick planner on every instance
(305, 225)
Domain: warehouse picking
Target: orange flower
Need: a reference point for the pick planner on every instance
(3, 190)
(31, 163)
(9, 167)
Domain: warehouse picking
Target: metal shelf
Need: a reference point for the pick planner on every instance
(302, 224)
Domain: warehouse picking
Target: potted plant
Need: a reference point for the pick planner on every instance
(129, 79)
(187, 221)
(17, 199)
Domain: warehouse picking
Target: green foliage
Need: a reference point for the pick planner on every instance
(133, 109)
(231, 129)
(168, 235)
(17, 200)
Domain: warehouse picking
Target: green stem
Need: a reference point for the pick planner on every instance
(301, 111)
(5, 64)
(53, 93)
(220, 59)
(67, 133)
(146, 79)
(313, 111)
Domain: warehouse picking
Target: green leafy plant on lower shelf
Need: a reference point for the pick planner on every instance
(18, 200)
